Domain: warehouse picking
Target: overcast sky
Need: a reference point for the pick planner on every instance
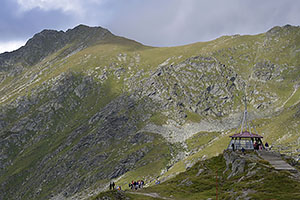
(151, 22)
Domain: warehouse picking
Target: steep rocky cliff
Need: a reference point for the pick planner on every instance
(82, 107)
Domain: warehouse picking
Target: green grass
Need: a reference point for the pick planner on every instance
(117, 195)
(201, 187)
(200, 139)
(275, 129)
(203, 147)
(238, 53)
(155, 161)
(187, 185)
(158, 119)
(193, 117)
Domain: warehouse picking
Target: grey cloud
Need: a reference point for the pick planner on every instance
(18, 26)
(157, 22)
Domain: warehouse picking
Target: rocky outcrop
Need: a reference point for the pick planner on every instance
(199, 84)
(265, 71)
(234, 162)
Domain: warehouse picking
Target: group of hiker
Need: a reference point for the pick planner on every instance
(112, 185)
(136, 184)
(133, 185)
(259, 146)
(256, 146)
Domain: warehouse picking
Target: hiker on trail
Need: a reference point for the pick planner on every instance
(113, 185)
(132, 184)
(139, 183)
(255, 146)
(243, 150)
(232, 145)
(110, 186)
(267, 146)
(135, 185)
(142, 183)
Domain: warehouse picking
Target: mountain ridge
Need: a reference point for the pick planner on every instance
(120, 110)
(50, 41)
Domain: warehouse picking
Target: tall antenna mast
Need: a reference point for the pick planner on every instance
(244, 122)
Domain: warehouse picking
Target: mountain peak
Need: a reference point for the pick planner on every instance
(81, 26)
(87, 34)
(84, 28)
(277, 30)
(49, 41)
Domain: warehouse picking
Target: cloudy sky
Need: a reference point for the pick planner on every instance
(151, 22)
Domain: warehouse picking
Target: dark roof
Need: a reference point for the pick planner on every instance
(246, 134)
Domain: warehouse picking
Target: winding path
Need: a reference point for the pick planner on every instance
(154, 195)
(276, 161)
(283, 104)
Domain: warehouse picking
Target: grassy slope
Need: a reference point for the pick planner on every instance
(245, 51)
(204, 185)
(259, 180)
(282, 130)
